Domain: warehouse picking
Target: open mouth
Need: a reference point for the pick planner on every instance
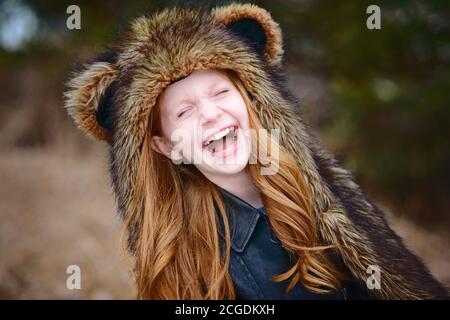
(222, 142)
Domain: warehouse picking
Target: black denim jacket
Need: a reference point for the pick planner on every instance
(257, 254)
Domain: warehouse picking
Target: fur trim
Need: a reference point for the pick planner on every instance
(156, 50)
(85, 91)
(235, 12)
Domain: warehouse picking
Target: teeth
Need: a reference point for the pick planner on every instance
(219, 135)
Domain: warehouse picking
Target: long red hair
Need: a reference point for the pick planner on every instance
(177, 253)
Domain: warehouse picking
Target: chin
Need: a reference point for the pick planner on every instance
(229, 169)
(224, 168)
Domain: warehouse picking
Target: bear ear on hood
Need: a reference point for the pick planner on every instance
(89, 96)
(257, 28)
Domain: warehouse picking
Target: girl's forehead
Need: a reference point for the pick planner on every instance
(202, 75)
(198, 79)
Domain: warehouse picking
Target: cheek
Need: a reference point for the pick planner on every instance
(241, 114)
(167, 126)
(237, 109)
(174, 131)
(184, 138)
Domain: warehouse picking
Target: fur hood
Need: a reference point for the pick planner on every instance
(110, 99)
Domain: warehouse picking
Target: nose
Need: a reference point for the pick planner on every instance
(209, 111)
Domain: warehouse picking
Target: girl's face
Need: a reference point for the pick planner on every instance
(204, 120)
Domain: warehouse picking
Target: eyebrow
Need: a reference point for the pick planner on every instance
(210, 87)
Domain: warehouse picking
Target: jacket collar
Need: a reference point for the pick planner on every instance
(242, 218)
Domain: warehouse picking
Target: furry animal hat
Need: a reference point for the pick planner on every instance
(110, 100)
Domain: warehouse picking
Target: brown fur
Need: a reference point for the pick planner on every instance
(156, 50)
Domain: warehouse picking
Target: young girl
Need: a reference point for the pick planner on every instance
(215, 205)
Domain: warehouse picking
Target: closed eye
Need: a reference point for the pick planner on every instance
(223, 91)
(182, 112)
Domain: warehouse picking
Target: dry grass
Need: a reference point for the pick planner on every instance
(57, 209)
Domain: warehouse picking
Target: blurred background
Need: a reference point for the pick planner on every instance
(379, 99)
